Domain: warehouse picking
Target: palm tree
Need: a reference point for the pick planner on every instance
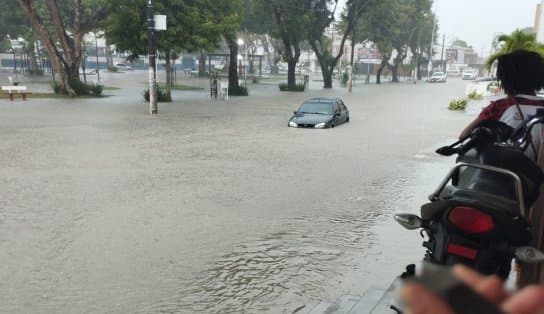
(518, 40)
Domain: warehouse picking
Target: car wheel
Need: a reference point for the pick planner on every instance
(347, 120)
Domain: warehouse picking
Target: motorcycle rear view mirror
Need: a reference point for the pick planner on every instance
(409, 221)
(450, 149)
(446, 151)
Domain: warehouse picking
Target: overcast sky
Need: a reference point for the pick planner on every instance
(475, 21)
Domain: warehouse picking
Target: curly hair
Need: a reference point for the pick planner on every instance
(521, 72)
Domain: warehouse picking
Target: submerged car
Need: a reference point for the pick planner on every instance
(320, 113)
(438, 77)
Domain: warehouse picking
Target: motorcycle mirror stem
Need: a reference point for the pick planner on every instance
(409, 221)
(528, 254)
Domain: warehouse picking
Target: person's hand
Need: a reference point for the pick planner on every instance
(529, 300)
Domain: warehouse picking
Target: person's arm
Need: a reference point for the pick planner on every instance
(466, 131)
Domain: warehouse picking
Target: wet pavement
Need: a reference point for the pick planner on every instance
(212, 206)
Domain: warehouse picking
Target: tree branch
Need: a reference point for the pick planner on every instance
(65, 40)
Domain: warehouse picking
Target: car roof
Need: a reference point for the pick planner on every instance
(323, 99)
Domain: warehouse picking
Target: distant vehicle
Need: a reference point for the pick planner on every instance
(123, 66)
(469, 74)
(438, 77)
(320, 113)
(87, 71)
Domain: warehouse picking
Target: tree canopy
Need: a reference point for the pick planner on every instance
(518, 40)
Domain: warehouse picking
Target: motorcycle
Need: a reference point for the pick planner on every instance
(478, 215)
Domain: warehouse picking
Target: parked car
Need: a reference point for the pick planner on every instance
(123, 66)
(438, 77)
(469, 74)
(320, 113)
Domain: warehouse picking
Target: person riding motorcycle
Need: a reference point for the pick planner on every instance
(521, 75)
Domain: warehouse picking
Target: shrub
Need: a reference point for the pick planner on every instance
(345, 78)
(56, 87)
(285, 88)
(97, 89)
(458, 104)
(161, 96)
(80, 88)
(240, 91)
(475, 96)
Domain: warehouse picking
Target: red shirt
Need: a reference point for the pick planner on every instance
(496, 108)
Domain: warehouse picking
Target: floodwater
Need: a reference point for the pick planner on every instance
(212, 207)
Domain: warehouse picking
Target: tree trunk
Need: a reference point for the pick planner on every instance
(291, 78)
(233, 64)
(327, 77)
(66, 62)
(202, 64)
(168, 62)
(394, 73)
(109, 54)
(379, 72)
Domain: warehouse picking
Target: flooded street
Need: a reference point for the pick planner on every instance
(213, 207)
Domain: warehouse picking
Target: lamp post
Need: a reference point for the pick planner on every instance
(241, 43)
(97, 68)
(153, 107)
(430, 66)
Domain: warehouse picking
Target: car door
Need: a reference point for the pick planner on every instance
(337, 113)
(344, 112)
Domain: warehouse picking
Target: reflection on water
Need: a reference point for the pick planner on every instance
(285, 270)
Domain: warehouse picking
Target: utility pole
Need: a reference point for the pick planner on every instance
(442, 67)
(153, 108)
(97, 68)
(350, 86)
(430, 66)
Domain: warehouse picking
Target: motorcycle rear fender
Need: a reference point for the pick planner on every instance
(509, 227)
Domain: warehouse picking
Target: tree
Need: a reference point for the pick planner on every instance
(518, 40)
(397, 26)
(230, 12)
(292, 22)
(60, 26)
(322, 17)
(424, 22)
(12, 19)
(191, 26)
(460, 43)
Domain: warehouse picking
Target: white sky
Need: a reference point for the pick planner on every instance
(475, 21)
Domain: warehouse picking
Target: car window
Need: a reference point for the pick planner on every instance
(343, 107)
(316, 107)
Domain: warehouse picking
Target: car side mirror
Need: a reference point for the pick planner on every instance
(295, 112)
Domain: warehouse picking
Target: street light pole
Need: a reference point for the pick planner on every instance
(97, 68)
(430, 67)
(246, 67)
(153, 107)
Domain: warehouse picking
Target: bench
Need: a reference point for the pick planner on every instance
(15, 90)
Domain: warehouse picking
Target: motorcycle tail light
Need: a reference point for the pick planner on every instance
(461, 250)
(471, 220)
